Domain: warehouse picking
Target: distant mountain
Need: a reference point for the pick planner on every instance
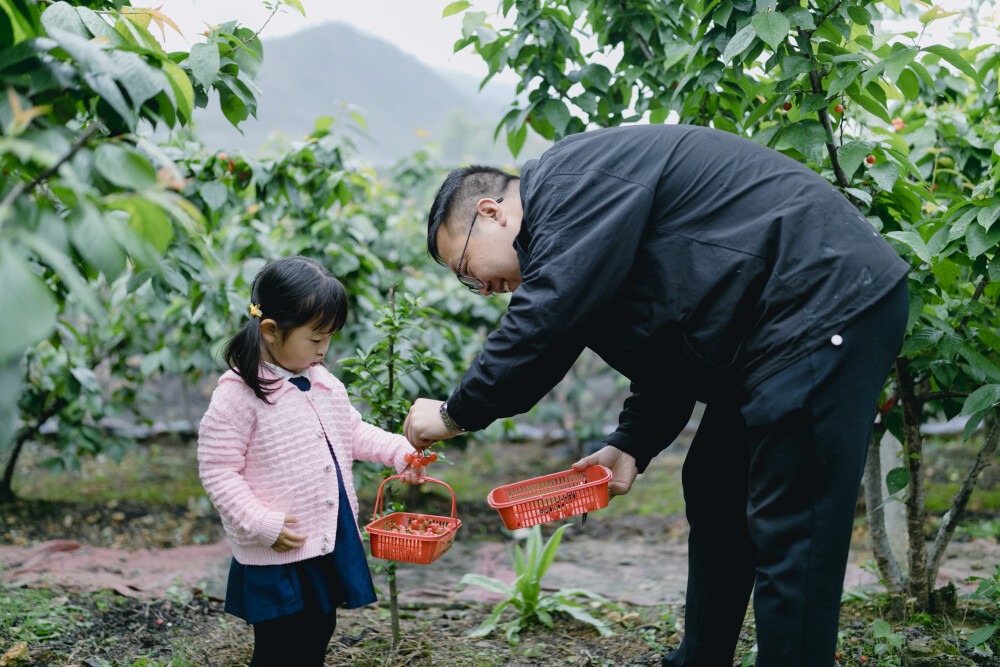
(334, 70)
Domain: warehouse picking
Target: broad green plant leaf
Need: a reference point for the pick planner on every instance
(25, 294)
(740, 42)
(981, 399)
(915, 242)
(897, 479)
(205, 63)
(981, 636)
(955, 59)
(455, 7)
(772, 28)
(123, 167)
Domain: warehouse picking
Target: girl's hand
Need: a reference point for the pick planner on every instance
(288, 540)
(411, 475)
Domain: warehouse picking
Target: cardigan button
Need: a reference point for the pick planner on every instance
(320, 433)
(323, 548)
(328, 467)
(326, 538)
(330, 501)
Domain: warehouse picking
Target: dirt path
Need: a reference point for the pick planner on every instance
(645, 570)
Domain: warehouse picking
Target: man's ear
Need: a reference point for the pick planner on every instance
(489, 208)
(270, 331)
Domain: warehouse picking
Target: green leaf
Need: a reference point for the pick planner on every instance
(549, 554)
(233, 108)
(62, 265)
(598, 76)
(183, 90)
(140, 81)
(657, 116)
(471, 22)
(981, 636)
(920, 340)
(94, 242)
(954, 59)
(983, 398)
(869, 104)
(908, 84)
(214, 193)
(557, 114)
(988, 214)
(771, 27)
(859, 15)
(807, 137)
(979, 241)
(98, 27)
(25, 295)
(897, 479)
(852, 154)
(880, 628)
(62, 16)
(515, 139)
(982, 367)
(915, 242)
(885, 175)
(205, 63)
(740, 42)
(297, 5)
(455, 8)
(146, 219)
(973, 423)
(123, 167)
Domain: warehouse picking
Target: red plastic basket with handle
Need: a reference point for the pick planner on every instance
(396, 536)
(551, 497)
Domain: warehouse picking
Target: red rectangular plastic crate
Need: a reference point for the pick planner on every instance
(551, 497)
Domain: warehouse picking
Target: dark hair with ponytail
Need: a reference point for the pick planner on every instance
(292, 291)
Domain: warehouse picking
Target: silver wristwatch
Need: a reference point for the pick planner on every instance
(449, 423)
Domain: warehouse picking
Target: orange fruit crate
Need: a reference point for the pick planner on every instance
(551, 497)
(409, 537)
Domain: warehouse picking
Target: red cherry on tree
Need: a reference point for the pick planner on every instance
(839, 108)
(870, 159)
(786, 106)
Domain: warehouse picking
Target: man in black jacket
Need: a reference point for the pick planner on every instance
(702, 266)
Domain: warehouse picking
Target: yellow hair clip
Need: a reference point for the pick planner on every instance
(255, 311)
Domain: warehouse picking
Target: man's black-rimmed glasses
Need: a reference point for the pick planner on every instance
(474, 284)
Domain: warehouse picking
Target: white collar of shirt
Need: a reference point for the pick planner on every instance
(284, 372)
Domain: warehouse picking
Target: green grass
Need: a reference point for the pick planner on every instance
(940, 495)
(154, 474)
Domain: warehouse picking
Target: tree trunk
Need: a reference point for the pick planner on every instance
(917, 585)
(6, 486)
(393, 604)
(888, 564)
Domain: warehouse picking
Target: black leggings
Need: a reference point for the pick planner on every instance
(296, 639)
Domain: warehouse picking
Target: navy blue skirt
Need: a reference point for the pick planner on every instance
(258, 593)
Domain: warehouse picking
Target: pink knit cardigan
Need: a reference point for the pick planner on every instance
(259, 462)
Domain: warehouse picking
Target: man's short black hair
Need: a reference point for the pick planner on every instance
(462, 190)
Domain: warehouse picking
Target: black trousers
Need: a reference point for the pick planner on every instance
(771, 483)
(299, 639)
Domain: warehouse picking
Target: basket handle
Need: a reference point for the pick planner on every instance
(378, 498)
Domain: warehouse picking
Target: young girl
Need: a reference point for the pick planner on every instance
(275, 451)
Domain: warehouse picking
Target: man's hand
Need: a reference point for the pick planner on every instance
(288, 540)
(423, 426)
(622, 466)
